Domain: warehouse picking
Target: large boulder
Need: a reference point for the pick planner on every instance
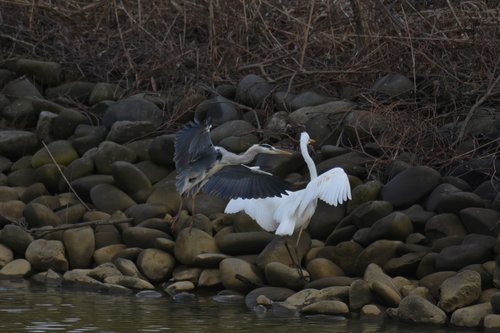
(47, 254)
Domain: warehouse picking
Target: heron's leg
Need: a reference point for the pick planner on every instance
(175, 219)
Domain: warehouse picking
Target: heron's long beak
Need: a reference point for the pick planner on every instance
(282, 152)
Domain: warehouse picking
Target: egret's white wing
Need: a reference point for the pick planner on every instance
(332, 187)
(261, 210)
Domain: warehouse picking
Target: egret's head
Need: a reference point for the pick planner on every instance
(264, 148)
(306, 139)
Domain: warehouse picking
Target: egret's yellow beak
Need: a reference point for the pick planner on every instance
(311, 142)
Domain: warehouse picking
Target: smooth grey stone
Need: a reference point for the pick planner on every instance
(66, 122)
(162, 150)
(459, 290)
(47, 254)
(393, 85)
(131, 180)
(125, 130)
(135, 108)
(481, 220)
(156, 264)
(21, 87)
(232, 268)
(420, 179)
(15, 144)
(79, 90)
(61, 152)
(416, 309)
(79, 244)
(109, 199)
(252, 90)
(110, 152)
(142, 237)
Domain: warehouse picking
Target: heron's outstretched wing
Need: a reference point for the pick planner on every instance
(239, 181)
(191, 143)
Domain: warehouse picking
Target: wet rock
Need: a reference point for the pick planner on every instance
(277, 122)
(61, 152)
(374, 273)
(125, 130)
(371, 311)
(244, 242)
(470, 316)
(15, 268)
(83, 185)
(369, 212)
(280, 275)
(393, 85)
(433, 281)
(406, 265)
(103, 271)
(327, 307)
(45, 72)
(231, 128)
(15, 238)
(209, 259)
(352, 163)
(278, 250)
(309, 98)
(416, 309)
(8, 193)
(252, 90)
(21, 178)
(275, 294)
(209, 278)
(186, 273)
(420, 179)
(107, 253)
(67, 121)
(79, 90)
(481, 220)
(491, 322)
(179, 287)
(162, 149)
(324, 220)
(38, 215)
(21, 113)
(330, 109)
(446, 198)
(33, 191)
(108, 153)
(190, 243)
(321, 267)
(302, 298)
(127, 267)
(21, 87)
(458, 256)
(50, 176)
(11, 210)
(219, 110)
(330, 281)
(47, 254)
(239, 144)
(362, 193)
(379, 252)
(155, 264)
(239, 275)
(142, 237)
(15, 143)
(342, 254)
(207, 205)
(135, 108)
(109, 199)
(131, 180)
(395, 226)
(79, 244)
(6, 255)
(103, 91)
(460, 290)
(130, 282)
(443, 225)
(153, 171)
(359, 295)
(86, 137)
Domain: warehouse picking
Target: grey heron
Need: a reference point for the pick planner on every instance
(201, 166)
(287, 213)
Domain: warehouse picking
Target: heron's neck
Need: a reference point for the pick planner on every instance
(243, 158)
(310, 163)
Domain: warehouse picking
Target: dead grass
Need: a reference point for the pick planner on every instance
(450, 48)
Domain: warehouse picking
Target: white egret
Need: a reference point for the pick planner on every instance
(294, 210)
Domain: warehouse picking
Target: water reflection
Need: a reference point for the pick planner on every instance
(27, 308)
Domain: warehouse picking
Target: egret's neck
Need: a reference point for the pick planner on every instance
(310, 163)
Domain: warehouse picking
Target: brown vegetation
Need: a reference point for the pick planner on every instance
(450, 48)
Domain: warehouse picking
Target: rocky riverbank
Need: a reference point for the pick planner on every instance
(87, 196)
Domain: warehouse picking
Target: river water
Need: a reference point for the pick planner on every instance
(32, 308)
